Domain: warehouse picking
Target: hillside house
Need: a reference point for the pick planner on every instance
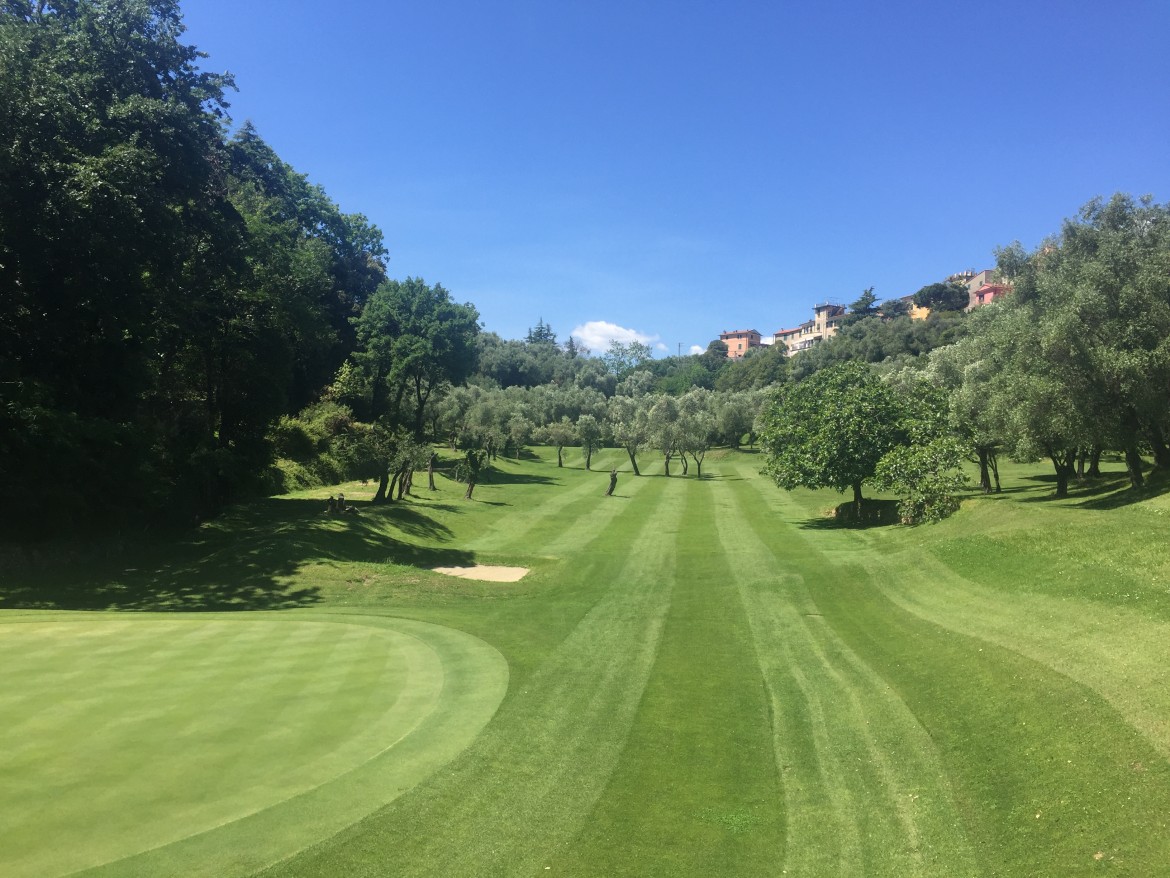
(826, 320)
(740, 341)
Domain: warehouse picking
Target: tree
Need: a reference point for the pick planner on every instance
(664, 427)
(590, 432)
(542, 334)
(559, 434)
(926, 476)
(414, 340)
(123, 289)
(892, 308)
(1076, 357)
(946, 296)
(830, 430)
(629, 423)
(697, 426)
(469, 470)
(623, 357)
(865, 306)
(760, 367)
(734, 414)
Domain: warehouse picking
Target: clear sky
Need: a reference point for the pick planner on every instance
(678, 169)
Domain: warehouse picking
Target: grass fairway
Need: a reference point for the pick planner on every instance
(704, 677)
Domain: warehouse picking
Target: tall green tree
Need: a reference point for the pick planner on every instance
(944, 296)
(830, 430)
(414, 341)
(1080, 345)
(117, 249)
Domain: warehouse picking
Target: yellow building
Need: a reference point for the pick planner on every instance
(826, 320)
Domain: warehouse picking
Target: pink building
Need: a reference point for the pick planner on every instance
(740, 341)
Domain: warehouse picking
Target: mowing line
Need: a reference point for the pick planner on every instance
(1119, 653)
(872, 805)
(473, 678)
(696, 790)
(529, 781)
(563, 521)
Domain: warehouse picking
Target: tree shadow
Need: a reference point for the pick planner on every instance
(1120, 494)
(241, 561)
(874, 513)
(1109, 487)
(496, 476)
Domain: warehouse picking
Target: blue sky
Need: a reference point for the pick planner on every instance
(677, 169)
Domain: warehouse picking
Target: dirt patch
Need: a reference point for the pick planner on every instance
(486, 573)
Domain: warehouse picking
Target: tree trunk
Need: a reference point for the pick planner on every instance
(857, 499)
(431, 472)
(1063, 462)
(666, 464)
(1095, 461)
(1082, 455)
(1161, 449)
(994, 458)
(612, 483)
(390, 494)
(698, 458)
(633, 461)
(383, 483)
(1131, 425)
(560, 462)
(686, 467)
(1133, 464)
(470, 488)
(984, 470)
(588, 455)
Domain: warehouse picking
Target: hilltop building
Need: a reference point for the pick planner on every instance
(740, 341)
(828, 316)
(826, 320)
(982, 290)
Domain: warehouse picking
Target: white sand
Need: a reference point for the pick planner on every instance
(486, 573)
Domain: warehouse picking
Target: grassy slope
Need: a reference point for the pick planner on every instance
(705, 679)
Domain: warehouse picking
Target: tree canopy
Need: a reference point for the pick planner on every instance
(830, 430)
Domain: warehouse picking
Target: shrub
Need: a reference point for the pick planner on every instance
(927, 478)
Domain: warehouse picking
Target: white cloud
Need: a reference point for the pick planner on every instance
(696, 349)
(661, 347)
(597, 335)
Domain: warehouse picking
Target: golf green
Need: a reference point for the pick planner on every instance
(217, 745)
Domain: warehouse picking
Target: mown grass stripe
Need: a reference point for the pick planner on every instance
(528, 783)
(860, 772)
(1121, 654)
(696, 790)
(1015, 739)
(565, 518)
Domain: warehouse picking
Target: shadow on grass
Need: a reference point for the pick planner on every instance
(242, 561)
(874, 513)
(497, 476)
(1157, 484)
(1110, 490)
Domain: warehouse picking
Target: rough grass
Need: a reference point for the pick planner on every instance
(705, 677)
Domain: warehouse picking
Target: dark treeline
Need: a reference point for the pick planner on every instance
(166, 291)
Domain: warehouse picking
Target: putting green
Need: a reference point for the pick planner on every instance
(218, 745)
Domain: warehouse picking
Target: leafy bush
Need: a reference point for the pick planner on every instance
(927, 476)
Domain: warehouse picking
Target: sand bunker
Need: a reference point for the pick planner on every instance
(486, 573)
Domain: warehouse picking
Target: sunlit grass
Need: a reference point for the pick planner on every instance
(711, 676)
